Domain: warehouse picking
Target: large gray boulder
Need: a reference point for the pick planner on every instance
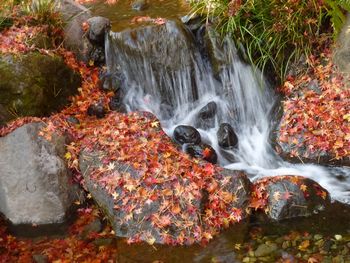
(151, 221)
(35, 186)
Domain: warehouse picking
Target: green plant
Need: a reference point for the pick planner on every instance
(43, 11)
(5, 13)
(275, 33)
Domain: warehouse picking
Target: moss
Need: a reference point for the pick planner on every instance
(34, 85)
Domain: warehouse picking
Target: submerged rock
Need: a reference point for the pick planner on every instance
(34, 85)
(186, 134)
(203, 151)
(139, 5)
(35, 185)
(291, 196)
(227, 137)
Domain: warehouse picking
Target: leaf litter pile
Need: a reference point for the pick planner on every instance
(316, 118)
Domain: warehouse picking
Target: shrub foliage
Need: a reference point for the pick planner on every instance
(275, 32)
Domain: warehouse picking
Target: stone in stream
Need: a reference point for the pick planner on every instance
(139, 5)
(292, 196)
(98, 26)
(97, 109)
(110, 82)
(227, 137)
(208, 111)
(35, 184)
(186, 134)
(116, 103)
(203, 151)
(34, 85)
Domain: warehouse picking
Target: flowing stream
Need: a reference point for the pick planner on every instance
(164, 71)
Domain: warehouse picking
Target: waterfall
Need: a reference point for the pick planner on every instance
(165, 72)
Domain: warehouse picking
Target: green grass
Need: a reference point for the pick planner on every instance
(275, 33)
(42, 12)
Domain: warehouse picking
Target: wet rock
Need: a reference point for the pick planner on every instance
(35, 185)
(186, 134)
(208, 111)
(97, 55)
(98, 26)
(139, 5)
(265, 250)
(34, 85)
(110, 82)
(203, 151)
(227, 137)
(215, 47)
(116, 103)
(97, 109)
(167, 48)
(293, 196)
(193, 22)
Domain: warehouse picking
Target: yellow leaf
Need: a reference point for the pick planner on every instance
(155, 124)
(68, 155)
(304, 245)
(347, 117)
(151, 240)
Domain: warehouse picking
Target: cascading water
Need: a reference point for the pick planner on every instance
(164, 72)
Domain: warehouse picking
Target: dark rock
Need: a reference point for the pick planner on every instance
(97, 109)
(98, 26)
(293, 196)
(35, 186)
(34, 85)
(73, 120)
(227, 137)
(97, 55)
(116, 104)
(110, 82)
(208, 111)
(216, 47)
(186, 134)
(139, 5)
(193, 22)
(203, 151)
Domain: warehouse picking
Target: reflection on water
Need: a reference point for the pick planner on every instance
(121, 14)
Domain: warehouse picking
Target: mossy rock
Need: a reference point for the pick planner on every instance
(34, 85)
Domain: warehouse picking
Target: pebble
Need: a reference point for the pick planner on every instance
(265, 249)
